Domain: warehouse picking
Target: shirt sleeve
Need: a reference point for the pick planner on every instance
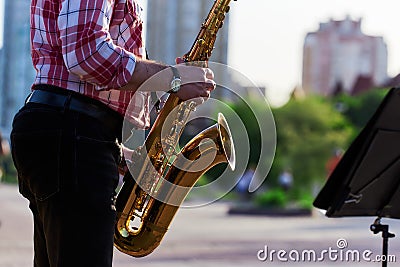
(87, 47)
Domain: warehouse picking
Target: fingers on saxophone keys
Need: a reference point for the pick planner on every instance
(209, 74)
(209, 85)
(199, 100)
(213, 85)
(206, 94)
(204, 87)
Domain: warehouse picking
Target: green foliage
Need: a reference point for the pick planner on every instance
(258, 120)
(253, 132)
(305, 201)
(359, 109)
(9, 174)
(202, 181)
(274, 198)
(308, 131)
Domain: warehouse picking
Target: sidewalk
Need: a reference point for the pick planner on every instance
(208, 236)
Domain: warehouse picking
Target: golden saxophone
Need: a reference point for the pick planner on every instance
(147, 203)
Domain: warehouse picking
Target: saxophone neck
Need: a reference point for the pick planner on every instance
(204, 44)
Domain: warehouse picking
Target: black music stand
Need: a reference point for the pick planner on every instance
(366, 182)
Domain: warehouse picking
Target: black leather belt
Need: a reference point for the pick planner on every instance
(68, 100)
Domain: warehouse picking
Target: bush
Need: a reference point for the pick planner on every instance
(308, 131)
(306, 201)
(275, 198)
(9, 174)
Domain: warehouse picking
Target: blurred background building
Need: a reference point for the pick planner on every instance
(16, 71)
(172, 27)
(340, 58)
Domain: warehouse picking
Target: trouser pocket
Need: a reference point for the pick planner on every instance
(36, 157)
(96, 167)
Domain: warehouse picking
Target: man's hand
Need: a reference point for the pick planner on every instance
(197, 82)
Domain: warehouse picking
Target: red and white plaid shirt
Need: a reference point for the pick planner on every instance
(90, 46)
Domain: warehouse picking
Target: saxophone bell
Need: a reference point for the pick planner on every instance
(139, 232)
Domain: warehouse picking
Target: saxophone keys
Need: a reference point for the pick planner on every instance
(192, 106)
(201, 42)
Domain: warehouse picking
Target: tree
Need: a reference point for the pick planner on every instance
(359, 109)
(308, 131)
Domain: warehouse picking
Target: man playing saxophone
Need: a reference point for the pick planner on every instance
(89, 59)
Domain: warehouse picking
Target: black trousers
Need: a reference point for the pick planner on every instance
(67, 166)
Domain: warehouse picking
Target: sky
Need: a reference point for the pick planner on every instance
(266, 37)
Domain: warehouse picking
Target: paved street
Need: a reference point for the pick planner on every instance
(208, 236)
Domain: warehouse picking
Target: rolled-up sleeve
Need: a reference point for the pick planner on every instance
(87, 47)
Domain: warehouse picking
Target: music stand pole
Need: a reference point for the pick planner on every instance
(376, 228)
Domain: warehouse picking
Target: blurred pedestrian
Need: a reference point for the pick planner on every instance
(4, 146)
(4, 151)
(243, 185)
(285, 180)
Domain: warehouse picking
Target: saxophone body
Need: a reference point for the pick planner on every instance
(159, 177)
